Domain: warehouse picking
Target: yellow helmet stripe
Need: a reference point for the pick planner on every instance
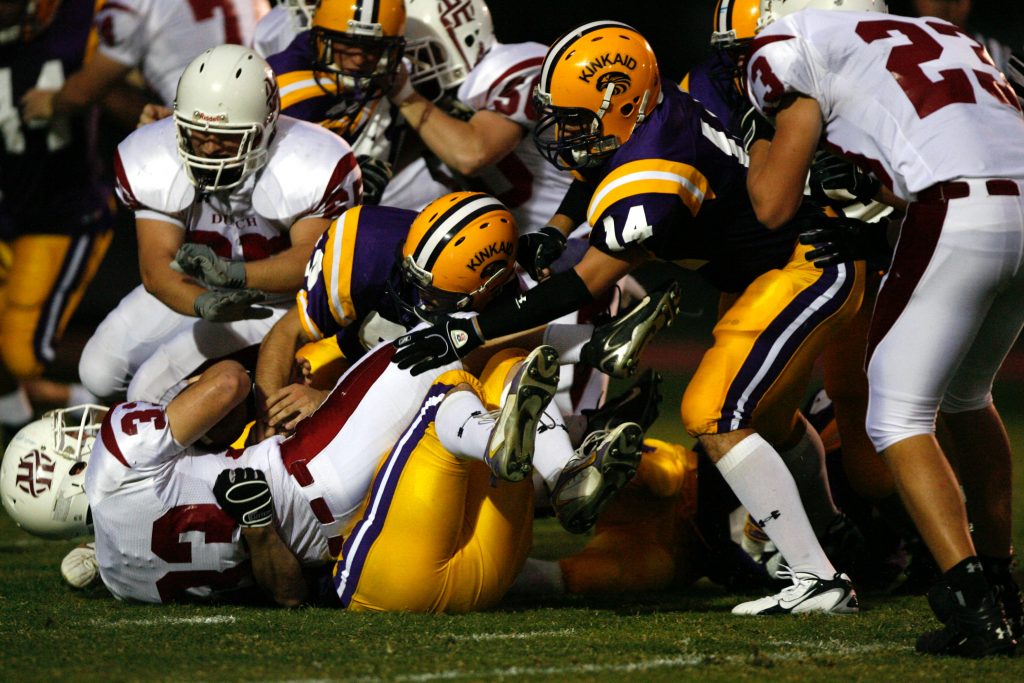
(556, 51)
(453, 220)
(339, 257)
(656, 176)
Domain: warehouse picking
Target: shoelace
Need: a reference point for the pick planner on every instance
(590, 442)
(798, 579)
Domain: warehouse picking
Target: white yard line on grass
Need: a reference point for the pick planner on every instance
(166, 621)
(512, 636)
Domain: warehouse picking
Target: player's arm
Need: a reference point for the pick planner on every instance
(274, 567)
(82, 89)
(285, 271)
(465, 146)
(538, 250)
(207, 401)
(158, 246)
(778, 170)
(279, 402)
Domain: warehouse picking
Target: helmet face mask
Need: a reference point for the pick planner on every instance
(225, 112)
(358, 47)
(445, 41)
(597, 84)
(43, 473)
(301, 12)
(460, 251)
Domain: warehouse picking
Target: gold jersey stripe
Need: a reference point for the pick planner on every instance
(644, 176)
(312, 331)
(339, 255)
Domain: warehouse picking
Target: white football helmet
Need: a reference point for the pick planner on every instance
(231, 92)
(43, 473)
(444, 41)
(301, 12)
(776, 9)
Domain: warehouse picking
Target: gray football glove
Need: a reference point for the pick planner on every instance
(228, 305)
(200, 261)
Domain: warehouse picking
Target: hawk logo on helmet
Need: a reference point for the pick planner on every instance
(456, 12)
(622, 82)
(604, 61)
(35, 473)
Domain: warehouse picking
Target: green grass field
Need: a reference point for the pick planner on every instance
(49, 632)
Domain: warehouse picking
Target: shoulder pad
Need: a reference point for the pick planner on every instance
(151, 171)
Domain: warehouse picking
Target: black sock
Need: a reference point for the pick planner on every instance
(967, 583)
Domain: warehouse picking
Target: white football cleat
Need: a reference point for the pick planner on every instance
(809, 593)
(510, 447)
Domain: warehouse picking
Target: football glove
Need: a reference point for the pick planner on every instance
(228, 305)
(538, 250)
(79, 567)
(846, 239)
(841, 180)
(754, 127)
(444, 342)
(244, 494)
(377, 174)
(199, 261)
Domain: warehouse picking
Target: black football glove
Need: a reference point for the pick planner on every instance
(837, 240)
(841, 180)
(200, 261)
(244, 494)
(445, 342)
(377, 173)
(538, 250)
(754, 127)
(228, 305)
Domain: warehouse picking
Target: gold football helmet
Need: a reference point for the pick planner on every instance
(359, 45)
(735, 23)
(598, 82)
(460, 250)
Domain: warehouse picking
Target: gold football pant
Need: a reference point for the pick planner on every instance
(45, 282)
(766, 342)
(434, 534)
(646, 539)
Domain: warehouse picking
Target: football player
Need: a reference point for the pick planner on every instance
(378, 272)
(229, 201)
(668, 182)
(55, 213)
(961, 241)
(337, 75)
(158, 37)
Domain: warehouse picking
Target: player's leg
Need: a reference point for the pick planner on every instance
(765, 345)
(125, 339)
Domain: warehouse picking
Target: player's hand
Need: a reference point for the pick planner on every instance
(401, 90)
(377, 173)
(437, 345)
(228, 305)
(837, 240)
(538, 250)
(754, 126)
(290, 405)
(200, 261)
(79, 567)
(152, 113)
(37, 105)
(841, 180)
(244, 494)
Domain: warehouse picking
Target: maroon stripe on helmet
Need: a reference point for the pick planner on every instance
(919, 234)
(315, 432)
(110, 439)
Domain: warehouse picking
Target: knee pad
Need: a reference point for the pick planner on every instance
(892, 419)
(495, 373)
(99, 372)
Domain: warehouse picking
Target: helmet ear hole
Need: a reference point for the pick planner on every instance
(626, 109)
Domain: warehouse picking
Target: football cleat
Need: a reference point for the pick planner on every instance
(971, 632)
(603, 464)
(510, 447)
(809, 593)
(615, 348)
(638, 403)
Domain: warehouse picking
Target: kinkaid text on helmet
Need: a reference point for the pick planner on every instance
(605, 61)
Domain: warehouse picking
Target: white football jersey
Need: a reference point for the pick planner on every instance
(160, 535)
(275, 31)
(899, 95)
(161, 37)
(309, 172)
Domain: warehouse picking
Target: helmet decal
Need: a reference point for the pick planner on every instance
(35, 473)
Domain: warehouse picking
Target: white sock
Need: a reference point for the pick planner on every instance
(538, 577)
(15, 408)
(761, 482)
(459, 427)
(552, 449)
(79, 395)
(806, 462)
(568, 340)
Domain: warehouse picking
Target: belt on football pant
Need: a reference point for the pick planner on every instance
(958, 189)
